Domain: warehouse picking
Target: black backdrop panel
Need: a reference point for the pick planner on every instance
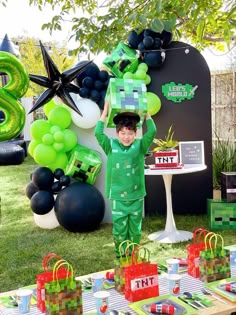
(191, 121)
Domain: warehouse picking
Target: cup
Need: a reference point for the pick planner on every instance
(172, 266)
(174, 284)
(24, 300)
(102, 302)
(97, 281)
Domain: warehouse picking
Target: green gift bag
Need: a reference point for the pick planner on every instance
(63, 296)
(214, 263)
(121, 262)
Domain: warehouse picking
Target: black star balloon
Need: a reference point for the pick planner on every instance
(57, 83)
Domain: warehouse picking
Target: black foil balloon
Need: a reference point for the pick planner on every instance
(57, 83)
(43, 178)
(42, 202)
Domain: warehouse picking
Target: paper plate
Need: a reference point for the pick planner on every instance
(217, 287)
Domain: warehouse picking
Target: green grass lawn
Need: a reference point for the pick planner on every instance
(23, 244)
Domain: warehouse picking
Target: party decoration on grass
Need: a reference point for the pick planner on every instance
(13, 112)
(80, 207)
(56, 83)
(90, 113)
(122, 59)
(126, 96)
(84, 164)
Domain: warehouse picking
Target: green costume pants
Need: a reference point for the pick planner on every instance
(127, 221)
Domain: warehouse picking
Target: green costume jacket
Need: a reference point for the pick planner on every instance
(125, 165)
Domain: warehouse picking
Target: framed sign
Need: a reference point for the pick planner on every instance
(191, 152)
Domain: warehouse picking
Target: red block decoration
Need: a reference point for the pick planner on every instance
(166, 158)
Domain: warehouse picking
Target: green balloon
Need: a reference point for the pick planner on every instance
(39, 128)
(140, 75)
(58, 146)
(58, 136)
(60, 162)
(153, 103)
(49, 106)
(44, 154)
(60, 116)
(128, 75)
(54, 129)
(143, 66)
(48, 138)
(147, 79)
(32, 145)
(70, 139)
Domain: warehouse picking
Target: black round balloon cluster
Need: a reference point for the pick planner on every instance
(151, 45)
(44, 184)
(93, 83)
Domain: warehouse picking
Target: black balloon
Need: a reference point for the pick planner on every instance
(57, 83)
(80, 207)
(91, 71)
(42, 202)
(56, 186)
(43, 178)
(166, 38)
(30, 189)
(64, 180)
(153, 59)
(58, 173)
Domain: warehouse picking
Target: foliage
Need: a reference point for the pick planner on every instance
(166, 144)
(31, 58)
(100, 25)
(223, 159)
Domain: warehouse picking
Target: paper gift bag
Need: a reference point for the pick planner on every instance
(214, 263)
(120, 263)
(193, 251)
(47, 276)
(141, 277)
(63, 296)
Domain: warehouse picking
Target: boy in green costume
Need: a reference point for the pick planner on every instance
(125, 183)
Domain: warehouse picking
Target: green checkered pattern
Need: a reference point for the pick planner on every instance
(84, 164)
(126, 95)
(221, 214)
(122, 59)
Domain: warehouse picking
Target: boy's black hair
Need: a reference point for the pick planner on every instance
(127, 122)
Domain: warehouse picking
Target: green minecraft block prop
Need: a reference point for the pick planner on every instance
(123, 59)
(126, 95)
(84, 164)
(221, 214)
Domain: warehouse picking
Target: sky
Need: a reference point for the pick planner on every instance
(18, 18)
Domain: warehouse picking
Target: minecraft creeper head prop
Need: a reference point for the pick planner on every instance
(126, 95)
(221, 214)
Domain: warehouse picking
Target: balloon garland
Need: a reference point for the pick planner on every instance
(14, 114)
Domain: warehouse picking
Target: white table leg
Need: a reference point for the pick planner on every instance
(170, 234)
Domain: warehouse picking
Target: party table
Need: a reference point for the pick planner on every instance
(118, 302)
(171, 234)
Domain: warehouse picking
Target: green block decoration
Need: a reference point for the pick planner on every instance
(123, 59)
(221, 214)
(126, 95)
(84, 164)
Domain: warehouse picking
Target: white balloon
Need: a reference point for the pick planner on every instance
(46, 221)
(90, 111)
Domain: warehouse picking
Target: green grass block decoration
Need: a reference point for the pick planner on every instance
(221, 214)
(122, 59)
(126, 95)
(84, 164)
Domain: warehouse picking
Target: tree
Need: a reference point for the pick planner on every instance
(98, 25)
(31, 58)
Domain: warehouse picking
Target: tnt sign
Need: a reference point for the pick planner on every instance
(143, 283)
(166, 158)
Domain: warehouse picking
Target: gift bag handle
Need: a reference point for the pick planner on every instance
(195, 232)
(127, 248)
(202, 233)
(122, 244)
(47, 259)
(207, 238)
(217, 236)
(136, 252)
(69, 268)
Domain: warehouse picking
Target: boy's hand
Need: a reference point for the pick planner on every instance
(105, 111)
(148, 116)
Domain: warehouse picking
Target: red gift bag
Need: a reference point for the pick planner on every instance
(47, 276)
(193, 251)
(141, 277)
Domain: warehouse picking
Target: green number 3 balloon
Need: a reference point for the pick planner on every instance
(14, 113)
